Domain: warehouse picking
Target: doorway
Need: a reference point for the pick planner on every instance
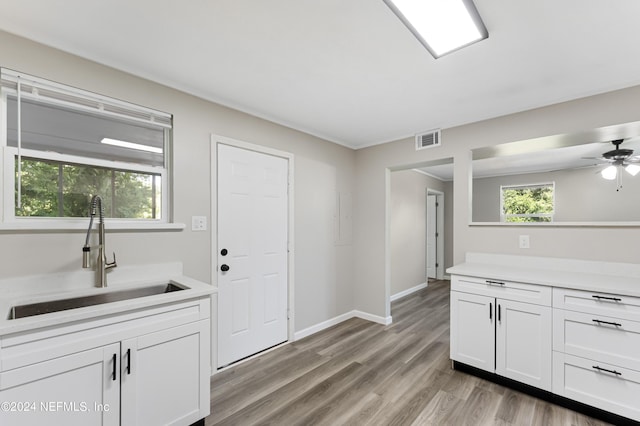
(434, 245)
(252, 264)
(438, 176)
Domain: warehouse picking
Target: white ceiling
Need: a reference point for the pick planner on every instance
(348, 71)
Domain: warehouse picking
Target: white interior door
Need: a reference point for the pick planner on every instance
(431, 244)
(252, 252)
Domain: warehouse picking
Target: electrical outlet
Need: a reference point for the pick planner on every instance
(198, 223)
(524, 241)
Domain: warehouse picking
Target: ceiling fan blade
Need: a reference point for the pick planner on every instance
(602, 160)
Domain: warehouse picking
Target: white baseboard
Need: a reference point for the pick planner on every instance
(373, 318)
(337, 320)
(408, 291)
(321, 326)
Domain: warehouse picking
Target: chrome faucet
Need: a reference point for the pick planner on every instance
(101, 261)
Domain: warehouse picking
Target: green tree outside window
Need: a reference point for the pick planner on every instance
(56, 189)
(528, 203)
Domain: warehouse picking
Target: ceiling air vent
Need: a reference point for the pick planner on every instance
(428, 139)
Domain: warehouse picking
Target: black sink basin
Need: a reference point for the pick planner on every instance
(32, 309)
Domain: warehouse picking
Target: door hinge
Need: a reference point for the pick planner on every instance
(437, 264)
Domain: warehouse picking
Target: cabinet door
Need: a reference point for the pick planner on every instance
(165, 376)
(523, 343)
(80, 389)
(473, 330)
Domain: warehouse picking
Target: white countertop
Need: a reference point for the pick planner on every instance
(604, 277)
(25, 290)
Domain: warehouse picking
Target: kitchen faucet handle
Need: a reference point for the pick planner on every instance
(113, 264)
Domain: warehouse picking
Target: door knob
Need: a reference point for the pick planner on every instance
(224, 252)
(224, 268)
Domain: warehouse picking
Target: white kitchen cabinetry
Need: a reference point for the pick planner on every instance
(142, 367)
(473, 330)
(596, 345)
(493, 329)
(523, 343)
(78, 389)
(162, 376)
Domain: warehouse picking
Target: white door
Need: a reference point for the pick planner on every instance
(252, 252)
(432, 236)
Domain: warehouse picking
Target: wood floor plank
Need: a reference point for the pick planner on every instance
(362, 373)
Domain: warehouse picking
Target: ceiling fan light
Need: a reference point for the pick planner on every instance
(609, 173)
(632, 169)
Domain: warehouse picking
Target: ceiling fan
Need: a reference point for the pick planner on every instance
(618, 158)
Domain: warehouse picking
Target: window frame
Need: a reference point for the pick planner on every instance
(8, 218)
(503, 216)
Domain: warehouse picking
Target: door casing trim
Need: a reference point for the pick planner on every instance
(223, 140)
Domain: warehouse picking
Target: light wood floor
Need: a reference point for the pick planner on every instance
(361, 373)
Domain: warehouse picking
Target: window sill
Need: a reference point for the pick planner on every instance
(111, 225)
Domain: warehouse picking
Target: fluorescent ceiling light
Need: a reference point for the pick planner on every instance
(610, 172)
(441, 25)
(131, 145)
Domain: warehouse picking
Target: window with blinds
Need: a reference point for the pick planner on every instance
(62, 145)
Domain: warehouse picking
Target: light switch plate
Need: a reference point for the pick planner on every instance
(198, 223)
(524, 241)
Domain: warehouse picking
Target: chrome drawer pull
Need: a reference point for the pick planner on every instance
(606, 322)
(494, 282)
(617, 373)
(615, 299)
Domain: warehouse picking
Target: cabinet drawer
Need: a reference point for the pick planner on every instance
(609, 339)
(580, 379)
(520, 292)
(613, 305)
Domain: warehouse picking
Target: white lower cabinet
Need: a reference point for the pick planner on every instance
(507, 337)
(78, 389)
(523, 343)
(606, 386)
(473, 330)
(144, 368)
(596, 343)
(161, 376)
(581, 345)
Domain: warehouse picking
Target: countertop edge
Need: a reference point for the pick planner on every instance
(575, 280)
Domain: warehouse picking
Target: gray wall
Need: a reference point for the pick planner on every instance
(372, 287)
(581, 195)
(323, 271)
(408, 227)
